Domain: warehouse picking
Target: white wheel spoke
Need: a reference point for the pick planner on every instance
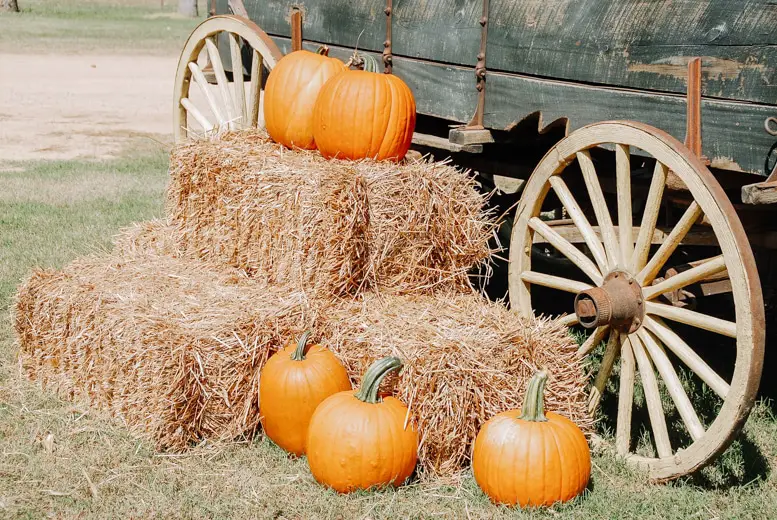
(693, 318)
(603, 218)
(567, 249)
(652, 397)
(707, 268)
(196, 114)
(625, 400)
(686, 354)
(689, 218)
(237, 80)
(605, 369)
(623, 181)
(589, 235)
(568, 320)
(649, 217)
(202, 83)
(256, 88)
(221, 79)
(592, 341)
(554, 282)
(673, 385)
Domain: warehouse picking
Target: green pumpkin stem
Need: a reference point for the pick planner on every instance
(299, 352)
(533, 408)
(362, 62)
(368, 392)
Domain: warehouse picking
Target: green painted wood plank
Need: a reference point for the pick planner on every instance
(639, 44)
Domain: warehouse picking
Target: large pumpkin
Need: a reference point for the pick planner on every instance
(531, 458)
(292, 384)
(290, 95)
(364, 114)
(358, 440)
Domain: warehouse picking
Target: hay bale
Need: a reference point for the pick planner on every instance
(167, 345)
(330, 227)
(466, 359)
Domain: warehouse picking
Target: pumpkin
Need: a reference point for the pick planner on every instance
(358, 440)
(364, 114)
(531, 458)
(290, 95)
(293, 382)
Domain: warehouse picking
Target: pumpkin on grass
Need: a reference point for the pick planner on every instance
(291, 92)
(531, 458)
(363, 114)
(358, 440)
(293, 382)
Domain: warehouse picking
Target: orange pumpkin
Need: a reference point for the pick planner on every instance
(364, 114)
(290, 95)
(358, 440)
(293, 382)
(531, 458)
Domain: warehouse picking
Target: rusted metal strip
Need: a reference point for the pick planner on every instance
(388, 59)
(693, 110)
(480, 71)
(296, 29)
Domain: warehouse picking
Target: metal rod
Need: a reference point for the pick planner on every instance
(388, 58)
(693, 115)
(296, 29)
(480, 71)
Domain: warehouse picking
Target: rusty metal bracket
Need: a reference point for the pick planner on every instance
(388, 57)
(296, 29)
(480, 71)
(693, 137)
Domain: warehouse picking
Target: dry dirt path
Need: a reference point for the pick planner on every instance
(82, 106)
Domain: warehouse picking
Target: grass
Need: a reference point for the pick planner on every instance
(62, 460)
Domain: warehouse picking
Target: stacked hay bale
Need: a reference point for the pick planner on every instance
(169, 332)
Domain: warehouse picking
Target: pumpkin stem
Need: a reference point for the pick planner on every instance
(533, 408)
(323, 50)
(299, 352)
(368, 392)
(362, 62)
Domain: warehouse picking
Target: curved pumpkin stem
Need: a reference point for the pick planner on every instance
(370, 63)
(299, 352)
(533, 409)
(362, 62)
(368, 392)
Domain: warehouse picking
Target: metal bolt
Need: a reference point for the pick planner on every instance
(387, 11)
(639, 301)
(387, 43)
(483, 21)
(631, 282)
(481, 56)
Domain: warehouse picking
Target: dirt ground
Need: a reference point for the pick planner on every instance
(83, 106)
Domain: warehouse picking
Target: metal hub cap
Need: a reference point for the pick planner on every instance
(618, 303)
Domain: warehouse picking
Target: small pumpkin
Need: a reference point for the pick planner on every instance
(531, 458)
(291, 92)
(364, 114)
(293, 382)
(358, 440)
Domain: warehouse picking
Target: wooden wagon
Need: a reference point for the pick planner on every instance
(629, 225)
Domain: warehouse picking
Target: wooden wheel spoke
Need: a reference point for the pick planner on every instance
(623, 182)
(567, 249)
(202, 83)
(221, 79)
(237, 80)
(689, 218)
(554, 282)
(693, 318)
(577, 216)
(625, 400)
(568, 320)
(592, 341)
(254, 98)
(600, 207)
(673, 385)
(696, 274)
(687, 355)
(652, 398)
(649, 217)
(197, 115)
(605, 369)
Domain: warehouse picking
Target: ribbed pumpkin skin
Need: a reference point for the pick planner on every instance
(290, 95)
(361, 114)
(531, 463)
(290, 391)
(356, 445)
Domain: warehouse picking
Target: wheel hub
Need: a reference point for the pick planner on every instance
(618, 303)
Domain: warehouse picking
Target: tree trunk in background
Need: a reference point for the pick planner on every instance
(188, 8)
(9, 5)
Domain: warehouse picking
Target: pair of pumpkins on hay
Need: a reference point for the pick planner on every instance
(360, 440)
(314, 101)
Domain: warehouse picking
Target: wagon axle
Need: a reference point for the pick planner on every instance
(618, 303)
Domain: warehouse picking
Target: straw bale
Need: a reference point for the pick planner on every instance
(327, 226)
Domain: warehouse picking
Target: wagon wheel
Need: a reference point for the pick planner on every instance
(226, 105)
(621, 299)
